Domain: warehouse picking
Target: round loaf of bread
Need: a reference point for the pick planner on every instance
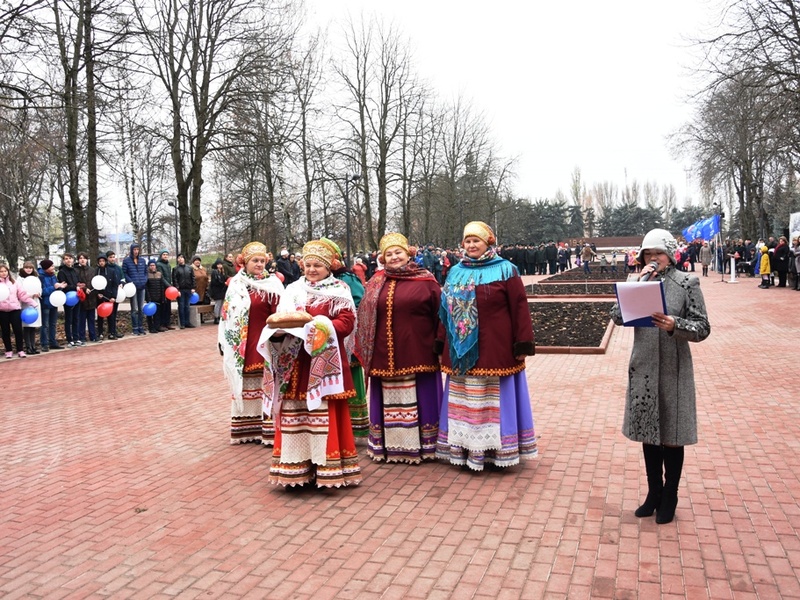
(288, 320)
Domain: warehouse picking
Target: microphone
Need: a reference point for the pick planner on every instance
(647, 276)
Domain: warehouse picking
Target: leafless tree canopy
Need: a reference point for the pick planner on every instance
(229, 121)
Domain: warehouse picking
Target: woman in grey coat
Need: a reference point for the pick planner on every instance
(660, 407)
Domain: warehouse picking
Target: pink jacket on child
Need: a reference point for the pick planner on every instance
(16, 295)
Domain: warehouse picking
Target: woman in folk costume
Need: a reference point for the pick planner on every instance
(251, 297)
(396, 342)
(314, 438)
(359, 417)
(486, 414)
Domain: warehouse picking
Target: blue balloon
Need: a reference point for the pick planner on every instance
(195, 298)
(29, 315)
(72, 299)
(150, 309)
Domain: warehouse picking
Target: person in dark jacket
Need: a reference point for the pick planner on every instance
(120, 276)
(780, 260)
(285, 267)
(68, 278)
(154, 292)
(47, 275)
(107, 294)
(88, 305)
(183, 279)
(165, 307)
(230, 267)
(551, 252)
(218, 288)
(135, 269)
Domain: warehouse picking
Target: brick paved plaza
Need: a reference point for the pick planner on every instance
(118, 481)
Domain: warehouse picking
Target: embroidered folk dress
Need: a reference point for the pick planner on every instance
(242, 319)
(298, 427)
(486, 414)
(404, 375)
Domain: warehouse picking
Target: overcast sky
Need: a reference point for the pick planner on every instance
(594, 85)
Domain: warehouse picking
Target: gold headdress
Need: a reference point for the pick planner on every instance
(321, 251)
(393, 239)
(481, 230)
(253, 249)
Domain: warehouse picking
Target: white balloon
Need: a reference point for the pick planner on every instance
(58, 298)
(3, 293)
(130, 289)
(31, 285)
(121, 294)
(99, 282)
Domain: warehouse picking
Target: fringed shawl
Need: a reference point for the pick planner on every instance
(233, 325)
(368, 309)
(459, 311)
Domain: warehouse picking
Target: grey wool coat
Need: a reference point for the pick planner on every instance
(660, 403)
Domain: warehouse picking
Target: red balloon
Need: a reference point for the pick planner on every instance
(172, 293)
(105, 309)
(686, 265)
(279, 275)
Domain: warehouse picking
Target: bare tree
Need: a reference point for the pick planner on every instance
(200, 52)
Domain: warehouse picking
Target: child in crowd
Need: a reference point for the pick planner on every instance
(113, 332)
(154, 292)
(29, 330)
(764, 268)
(108, 294)
(11, 311)
(47, 275)
(68, 282)
(603, 263)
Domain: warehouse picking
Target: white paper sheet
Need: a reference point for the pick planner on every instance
(640, 299)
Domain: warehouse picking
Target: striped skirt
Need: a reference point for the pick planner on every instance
(359, 415)
(486, 420)
(251, 424)
(404, 418)
(315, 446)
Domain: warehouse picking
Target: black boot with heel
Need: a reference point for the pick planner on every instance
(673, 467)
(653, 462)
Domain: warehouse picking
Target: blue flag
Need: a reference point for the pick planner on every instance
(704, 229)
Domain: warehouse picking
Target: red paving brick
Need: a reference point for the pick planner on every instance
(118, 481)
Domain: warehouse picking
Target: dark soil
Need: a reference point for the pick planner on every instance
(577, 274)
(570, 289)
(570, 323)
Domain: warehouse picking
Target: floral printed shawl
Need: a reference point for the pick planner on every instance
(459, 311)
(233, 324)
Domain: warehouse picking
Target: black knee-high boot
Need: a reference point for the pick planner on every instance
(653, 461)
(673, 467)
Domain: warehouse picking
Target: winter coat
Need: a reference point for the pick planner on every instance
(183, 277)
(48, 286)
(660, 402)
(69, 276)
(705, 256)
(780, 258)
(218, 287)
(30, 303)
(135, 272)
(200, 281)
(165, 270)
(85, 275)
(154, 289)
(16, 295)
(112, 283)
(764, 265)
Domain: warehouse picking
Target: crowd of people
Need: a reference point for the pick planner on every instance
(90, 294)
(419, 361)
(334, 354)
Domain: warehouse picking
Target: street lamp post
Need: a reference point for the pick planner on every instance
(348, 179)
(174, 205)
